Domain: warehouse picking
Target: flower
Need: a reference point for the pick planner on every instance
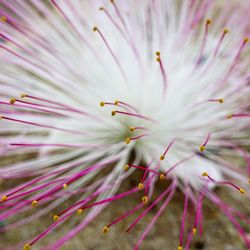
(108, 87)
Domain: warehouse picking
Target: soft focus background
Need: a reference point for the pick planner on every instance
(218, 232)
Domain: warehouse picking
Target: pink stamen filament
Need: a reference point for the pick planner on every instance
(224, 183)
(169, 146)
(111, 52)
(144, 168)
(183, 219)
(164, 76)
(207, 139)
(43, 125)
(178, 163)
(61, 106)
(240, 115)
(204, 40)
(163, 207)
(129, 106)
(138, 128)
(131, 44)
(126, 214)
(135, 115)
(137, 137)
(160, 197)
(219, 43)
(35, 108)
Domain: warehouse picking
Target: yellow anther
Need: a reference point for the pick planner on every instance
(126, 167)
(105, 229)
(102, 104)
(23, 95)
(4, 198)
(101, 8)
(144, 199)
(202, 148)
(221, 100)
(209, 21)
(229, 116)
(116, 102)
(180, 248)
(12, 100)
(162, 177)
(3, 18)
(162, 157)
(140, 186)
(158, 59)
(242, 191)
(55, 218)
(194, 231)
(226, 31)
(113, 113)
(204, 174)
(112, 1)
(34, 203)
(79, 211)
(127, 140)
(95, 29)
(249, 180)
(246, 40)
(26, 247)
(132, 129)
(158, 53)
(65, 185)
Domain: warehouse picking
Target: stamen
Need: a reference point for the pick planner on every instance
(12, 100)
(162, 157)
(34, 203)
(126, 167)
(79, 211)
(220, 100)
(178, 163)
(4, 198)
(42, 125)
(142, 168)
(163, 72)
(140, 186)
(119, 15)
(235, 62)
(162, 176)
(183, 219)
(162, 208)
(26, 247)
(225, 32)
(129, 139)
(229, 116)
(55, 218)
(208, 22)
(3, 18)
(126, 214)
(203, 146)
(102, 104)
(105, 229)
(144, 199)
(114, 112)
(241, 190)
(95, 29)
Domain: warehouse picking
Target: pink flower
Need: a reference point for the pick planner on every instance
(172, 80)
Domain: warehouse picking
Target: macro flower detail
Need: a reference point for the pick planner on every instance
(92, 91)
